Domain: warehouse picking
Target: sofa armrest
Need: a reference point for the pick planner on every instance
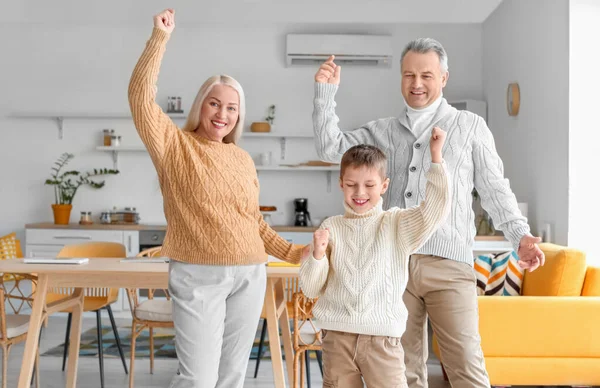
(539, 326)
(591, 285)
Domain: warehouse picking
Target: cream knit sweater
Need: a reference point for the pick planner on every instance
(361, 280)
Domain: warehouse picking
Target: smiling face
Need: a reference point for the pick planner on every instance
(422, 78)
(363, 187)
(219, 113)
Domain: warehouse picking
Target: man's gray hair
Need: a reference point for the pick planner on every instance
(425, 45)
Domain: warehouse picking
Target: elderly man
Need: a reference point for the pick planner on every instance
(442, 282)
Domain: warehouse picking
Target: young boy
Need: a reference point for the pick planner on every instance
(359, 269)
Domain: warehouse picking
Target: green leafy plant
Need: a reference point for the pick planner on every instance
(67, 183)
(271, 115)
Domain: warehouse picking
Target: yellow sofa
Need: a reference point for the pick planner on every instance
(551, 334)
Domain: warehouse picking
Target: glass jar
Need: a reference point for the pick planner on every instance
(105, 218)
(130, 215)
(114, 216)
(115, 140)
(106, 136)
(86, 218)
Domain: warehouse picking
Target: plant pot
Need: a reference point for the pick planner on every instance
(260, 127)
(62, 214)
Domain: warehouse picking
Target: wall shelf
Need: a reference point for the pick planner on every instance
(60, 117)
(116, 149)
(327, 169)
(281, 136)
(299, 168)
(278, 135)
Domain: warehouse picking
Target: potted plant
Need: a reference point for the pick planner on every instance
(66, 185)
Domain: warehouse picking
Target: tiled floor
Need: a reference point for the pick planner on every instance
(88, 371)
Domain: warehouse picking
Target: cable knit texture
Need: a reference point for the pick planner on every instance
(469, 152)
(210, 189)
(361, 280)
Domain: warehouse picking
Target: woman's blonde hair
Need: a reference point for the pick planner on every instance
(193, 119)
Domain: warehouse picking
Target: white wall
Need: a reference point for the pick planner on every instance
(86, 68)
(527, 42)
(584, 211)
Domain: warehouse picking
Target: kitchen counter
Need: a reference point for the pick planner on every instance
(98, 226)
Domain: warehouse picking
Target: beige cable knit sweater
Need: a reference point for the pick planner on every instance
(210, 189)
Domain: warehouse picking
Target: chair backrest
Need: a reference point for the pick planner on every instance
(305, 332)
(90, 250)
(18, 288)
(292, 286)
(132, 293)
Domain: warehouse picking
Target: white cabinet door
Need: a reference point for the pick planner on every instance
(131, 240)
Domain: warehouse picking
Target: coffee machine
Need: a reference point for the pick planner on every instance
(302, 217)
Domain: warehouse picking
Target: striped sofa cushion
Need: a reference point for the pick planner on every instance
(498, 274)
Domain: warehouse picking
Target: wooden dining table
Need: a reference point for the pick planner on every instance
(113, 273)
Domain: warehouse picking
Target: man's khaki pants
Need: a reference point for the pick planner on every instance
(446, 291)
(349, 358)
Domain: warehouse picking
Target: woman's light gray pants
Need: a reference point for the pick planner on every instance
(216, 311)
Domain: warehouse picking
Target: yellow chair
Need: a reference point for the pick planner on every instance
(13, 330)
(549, 334)
(95, 299)
(306, 337)
(148, 314)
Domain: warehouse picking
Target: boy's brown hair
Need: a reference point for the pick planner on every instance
(364, 155)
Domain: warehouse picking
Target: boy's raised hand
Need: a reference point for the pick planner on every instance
(329, 72)
(320, 241)
(438, 137)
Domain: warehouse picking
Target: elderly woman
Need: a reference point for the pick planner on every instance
(216, 237)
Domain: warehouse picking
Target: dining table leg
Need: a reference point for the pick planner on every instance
(75, 338)
(35, 324)
(277, 317)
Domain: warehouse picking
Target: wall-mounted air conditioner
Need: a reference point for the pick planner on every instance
(359, 50)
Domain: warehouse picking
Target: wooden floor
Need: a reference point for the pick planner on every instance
(89, 375)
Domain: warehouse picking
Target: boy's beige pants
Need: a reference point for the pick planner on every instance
(445, 290)
(349, 358)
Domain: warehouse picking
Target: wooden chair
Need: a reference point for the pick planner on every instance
(148, 314)
(19, 287)
(306, 337)
(291, 287)
(13, 330)
(95, 299)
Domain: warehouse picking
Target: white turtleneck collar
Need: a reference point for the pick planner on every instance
(428, 109)
(375, 210)
(420, 119)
